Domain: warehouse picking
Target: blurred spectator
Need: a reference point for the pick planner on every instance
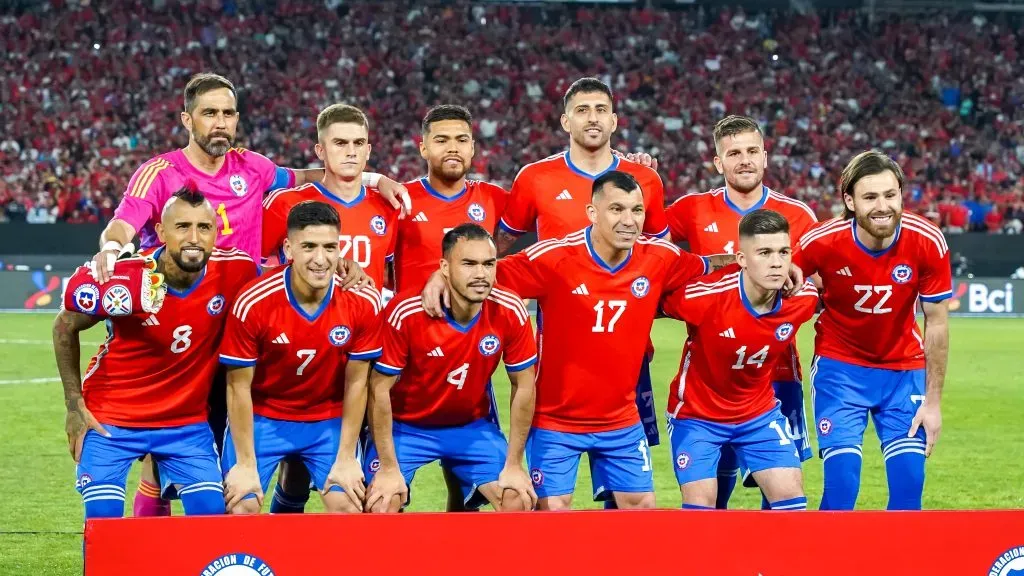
(92, 88)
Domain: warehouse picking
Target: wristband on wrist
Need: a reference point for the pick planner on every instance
(111, 245)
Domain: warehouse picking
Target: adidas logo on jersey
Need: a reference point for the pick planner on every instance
(282, 339)
(436, 353)
(713, 227)
(581, 290)
(564, 195)
(151, 321)
(420, 217)
(728, 333)
(845, 271)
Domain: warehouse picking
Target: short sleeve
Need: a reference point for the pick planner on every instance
(240, 345)
(283, 178)
(522, 275)
(685, 268)
(520, 214)
(804, 254)
(685, 304)
(395, 344)
(655, 223)
(389, 254)
(678, 219)
(275, 223)
(141, 203)
(936, 272)
(801, 222)
(521, 346)
(366, 342)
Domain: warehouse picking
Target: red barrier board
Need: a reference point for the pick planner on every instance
(586, 543)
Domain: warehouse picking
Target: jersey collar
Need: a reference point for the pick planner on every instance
(295, 304)
(347, 204)
(455, 324)
(433, 192)
(750, 307)
(587, 175)
(173, 291)
(736, 209)
(869, 251)
(598, 260)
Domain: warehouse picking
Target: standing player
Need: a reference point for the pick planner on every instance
(440, 408)
(298, 348)
(368, 222)
(739, 328)
(875, 264)
(709, 222)
(233, 179)
(134, 398)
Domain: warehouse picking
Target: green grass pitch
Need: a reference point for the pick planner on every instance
(975, 465)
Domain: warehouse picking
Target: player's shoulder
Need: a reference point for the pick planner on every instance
(417, 187)
(824, 233)
(246, 155)
(288, 196)
(259, 290)
(232, 265)
(403, 308)
(637, 170)
(696, 199)
(367, 295)
(485, 187)
(556, 247)
(229, 256)
(925, 233)
(718, 282)
(807, 291)
(156, 169)
(790, 207)
(509, 303)
(553, 163)
(658, 246)
(377, 202)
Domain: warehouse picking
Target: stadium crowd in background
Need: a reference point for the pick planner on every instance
(90, 89)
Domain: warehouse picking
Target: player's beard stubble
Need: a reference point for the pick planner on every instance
(449, 171)
(216, 149)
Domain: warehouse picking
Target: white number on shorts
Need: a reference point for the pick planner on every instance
(783, 435)
(757, 358)
(884, 292)
(618, 306)
(308, 354)
(355, 248)
(457, 377)
(181, 339)
(642, 447)
(728, 247)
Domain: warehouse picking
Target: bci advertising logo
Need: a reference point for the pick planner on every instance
(983, 297)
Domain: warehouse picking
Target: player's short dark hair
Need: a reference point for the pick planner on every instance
(202, 83)
(615, 178)
(762, 221)
(446, 112)
(588, 85)
(312, 213)
(467, 231)
(734, 124)
(340, 114)
(867, 163)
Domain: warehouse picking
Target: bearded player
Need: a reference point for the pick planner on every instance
(134, 398)
(876, 263)
(709, 222)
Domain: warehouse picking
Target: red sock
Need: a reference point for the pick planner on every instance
(148, 502)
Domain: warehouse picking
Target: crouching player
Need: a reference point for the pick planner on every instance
(136, 398)
(739, 328)
(439, 408)
(298, 351)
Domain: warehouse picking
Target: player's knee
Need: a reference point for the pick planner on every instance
(337, 502)
(202, 502)
(699, 494)
(512, 502)
(247, 506)
(555, 503)
(634, 500)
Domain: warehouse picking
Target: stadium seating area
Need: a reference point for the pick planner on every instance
(91, 89)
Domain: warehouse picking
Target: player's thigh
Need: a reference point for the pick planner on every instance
(271, 445)
(780, 483)
(697, 446)
(554, 460)
(791, 403)
(187, 456)
(903, 393)
(415, 447)
(475, 453)
(769, 453)
(702, 493)
(841, 403)
(623, 459)
(317, 444)
(102, 470)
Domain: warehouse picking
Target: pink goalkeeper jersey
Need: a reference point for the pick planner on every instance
(236, 192)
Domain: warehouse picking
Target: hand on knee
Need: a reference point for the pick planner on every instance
(247, 506)
(512, 502)
(341, 503)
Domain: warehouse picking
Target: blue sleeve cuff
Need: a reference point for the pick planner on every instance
(661, 234)
(240, 362)
(367, 355)
(511, 368)
(514, 231)
(933, 298)
(707, 264)
(386, 369)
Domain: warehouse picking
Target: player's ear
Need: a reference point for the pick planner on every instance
(741, 259)
(287, 247)
(160, 232)
(718, 165)
(319, 150)
(592, 213)
(445, 271)
(564, 120)
(615, 121)
(423, 147)
(186, 121)
(848, 201)
(369, 149)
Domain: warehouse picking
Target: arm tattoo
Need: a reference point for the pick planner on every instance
(67, 349)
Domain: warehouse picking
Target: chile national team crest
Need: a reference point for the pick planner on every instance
(784, 332)
(378, 225)
(824, 426)
(902, 274)
(86, 297)
(117, 300)
(238, 185)
(537, 476)
(683, 461)
(339, 335)
(641, 286)
(215, 305)
(476, 212)
(1009, 563)
(489, 345)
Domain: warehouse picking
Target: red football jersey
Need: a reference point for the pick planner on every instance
(551, 196)
(155, 371)
(710, 223)
(596, 320)
(369, 226)
(726, 371)
(418, 251)
(300, 358)
(871, 297)
(446, 367)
